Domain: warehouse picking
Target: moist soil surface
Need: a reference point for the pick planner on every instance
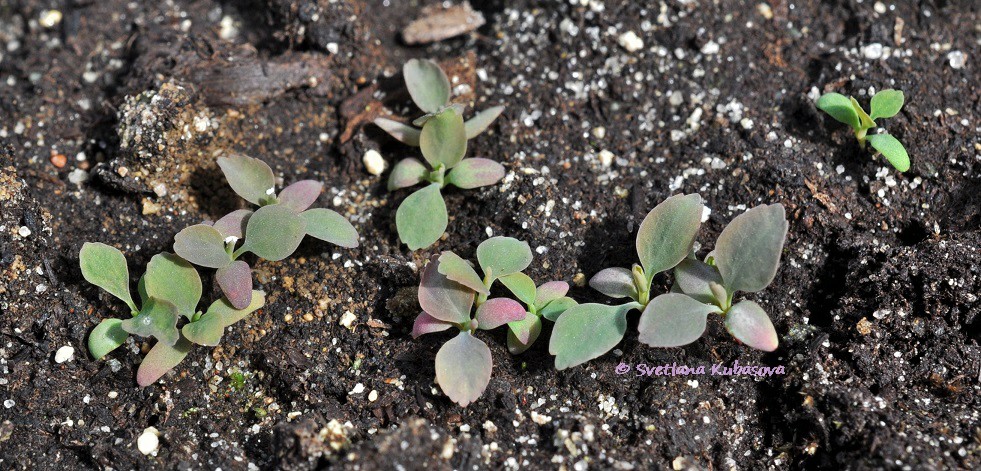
(112, 114)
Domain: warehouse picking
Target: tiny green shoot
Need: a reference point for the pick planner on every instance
(884, 104)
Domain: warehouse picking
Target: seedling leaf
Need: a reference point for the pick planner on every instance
(891, 149)
(426, 324)
(463, 368)
(522, 334)
(549, 292)
(457, 269)
(587, 331)
(161, 359)
(443, 298)
(496, 312)
(427, 84)
(667, 233)
(202, 245)
(157, 319)
(205, 331)
(443, 140)
(274, 232)
(749, 324)
(673, 320)
(692, 277)
(251, 178)
(886, 104)
(865, 121)
(171, 278)
(522, 286)
(554, 309)
(105, 267)
(615, 283)
(106, 337)
(421, 218)
(300, 195)
(233, 223)
(400, 131)
(840, 108)
(406, 173)
(209, 328)
(475, 172)
(501, 256)
(482, 120)
(747, 252)
(328, 225)
(235, 280)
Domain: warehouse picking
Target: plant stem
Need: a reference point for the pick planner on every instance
(860, 135)
(488, 281)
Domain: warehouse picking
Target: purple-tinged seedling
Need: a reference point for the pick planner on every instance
(273, 232)
(464, 363)
(547, 301)
(745, 258)
(430, 90)
(170, 289)
(884, 104)
(665, 237)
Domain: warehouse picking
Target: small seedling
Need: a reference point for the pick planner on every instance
(273, 232)
(547, 301)
(745, 258)
(422, 217)
(464, 363)
(170, 289)
(430, 90)
(884, 104)
(665, 238)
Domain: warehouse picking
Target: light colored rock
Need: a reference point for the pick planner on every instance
(630, 41)
(149, 441)
(606, 157)
(373, 162)
(64, 354)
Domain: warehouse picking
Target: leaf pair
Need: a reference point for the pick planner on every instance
(430, 90)
(745, 258)
(665, 238)
(463, 364)
(884, 104)
(273, 232)
(547, 301)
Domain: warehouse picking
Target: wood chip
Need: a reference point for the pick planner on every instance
(436, 23)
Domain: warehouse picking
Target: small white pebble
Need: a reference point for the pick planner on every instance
(50, 18)
(373, 162)
(872, 51)
(956, 59)
(606, 157)
(333, 48)
(373, 396)
(149, 441)
(358, 389)
(630, 41)
(879, 7)
(710, 48)
(24, 231)
(64, 354)
(599, 132)
(347, 320)
(113, 394)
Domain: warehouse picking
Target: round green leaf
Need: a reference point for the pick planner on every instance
(443, 140)
(482, 120)
(615, 283)
(274, 232)
(105, 267)
(749, 324)
(496, 312)
(426, 324)
(549, 292)
(421, 218)
(443, 298)
(673, 320)
(522, 334)
(427, 84)
(205, 331)
(251, 178)
(106, 337)
(747, 252)
(587, 331)
(886, 104)
(233, 223)
(475, 172)
(235, 281)
(692, 277)
(161, 359)
(330, 226)
(459, 270)
(840, 108)
(157, 319)
(501, 256)
(667, 233)
(408, 172)
(202, 245)
(555, 308)
(230, 314)
(301, 195)
(891, 149)
(522, 286)
(463, 368)
(171, 278)
(400, 131)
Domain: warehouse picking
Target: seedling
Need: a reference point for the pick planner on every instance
(464, 363)
(422, 217)
(665, 237)
(170, 289)
(885, 104)
(430, 90)
(272, 232)
(547, 301)
(745, 258)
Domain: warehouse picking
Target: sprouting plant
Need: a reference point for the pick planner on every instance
(272, 232)
(745, 258)
(884, 104)
(449, 288)
(430, 90)
(170, 289)
(547, 301)
(665, 238)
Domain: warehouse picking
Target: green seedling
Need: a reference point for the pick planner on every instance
(430, 90)
(665, 238)
(745, 258)
(170, 289)
(273, 231)
(547, 301)
(884, 104)
(449, 289)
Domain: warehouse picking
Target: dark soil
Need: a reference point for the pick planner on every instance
(877, 301)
